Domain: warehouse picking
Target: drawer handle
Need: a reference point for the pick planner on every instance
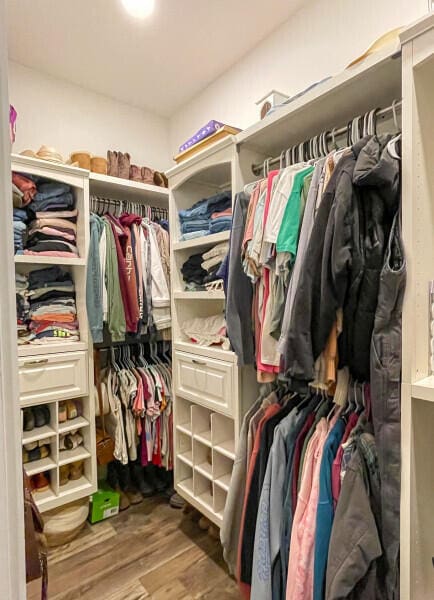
(198, 362)
(40, 361)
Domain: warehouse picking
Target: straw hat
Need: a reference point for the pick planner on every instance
(49, 154)
(387, 39)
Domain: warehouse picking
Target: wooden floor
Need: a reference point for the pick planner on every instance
(150, 551)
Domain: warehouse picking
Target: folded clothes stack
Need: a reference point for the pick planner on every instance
(20, 228)
(23, 307)
(53, 228)
(52, 312)
(23, 190)
(203, 268)
(206, 216)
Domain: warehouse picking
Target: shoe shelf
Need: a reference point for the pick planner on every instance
(204, 457)
(125, 189)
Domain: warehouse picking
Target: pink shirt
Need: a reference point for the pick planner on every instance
(302, 547)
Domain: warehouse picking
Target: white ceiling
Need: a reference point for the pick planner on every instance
(157, 64)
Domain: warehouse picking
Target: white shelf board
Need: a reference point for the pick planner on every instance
(50, 348)
(220, 295)
(186, 457)
(202, 242)
(20, 163)
(74, 485)
(208, 351)
(38, 433)
(206, 499)
(32, 259)
(72, 424)
(374, 82)
(42, 498)
(226, 448)
(125, 189)
(224, 481)
(204, 469)
(200, 156)
(204, 437)
(185, 429)
(424, 389)
(39, 466)
(69, 456)
(187, 485)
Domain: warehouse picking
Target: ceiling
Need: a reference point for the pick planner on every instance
(158, 63)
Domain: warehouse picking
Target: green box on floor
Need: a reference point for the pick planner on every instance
(103, 504)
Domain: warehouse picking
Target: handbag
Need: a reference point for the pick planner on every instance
(36, 547)
(104, 444)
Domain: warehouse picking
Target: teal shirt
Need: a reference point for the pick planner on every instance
(287, 239)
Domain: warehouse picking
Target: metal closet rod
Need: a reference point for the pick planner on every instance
(258, 168)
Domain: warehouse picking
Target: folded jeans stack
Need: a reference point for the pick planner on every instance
(53, 228)
(20, 228)
(198, 220)
(221, 221)
(53, 313)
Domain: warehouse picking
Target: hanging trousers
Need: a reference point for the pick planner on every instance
(386, 401)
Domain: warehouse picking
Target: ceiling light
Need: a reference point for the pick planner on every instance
(139, 8)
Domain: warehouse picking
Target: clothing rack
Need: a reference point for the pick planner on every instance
(318, 145)
(101, 205)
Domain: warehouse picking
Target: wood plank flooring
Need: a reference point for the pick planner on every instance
(151, 551)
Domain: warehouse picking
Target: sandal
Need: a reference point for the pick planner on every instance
(40, 483)
(71, 409)
(73, 441)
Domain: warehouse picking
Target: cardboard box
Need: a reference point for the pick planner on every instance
(103, 504)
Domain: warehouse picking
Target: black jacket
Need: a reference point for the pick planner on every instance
(376, 179)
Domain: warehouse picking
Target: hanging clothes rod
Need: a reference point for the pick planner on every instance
(319, 145)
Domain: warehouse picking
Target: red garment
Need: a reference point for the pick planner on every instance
(223, 213)
(269, 412)
(299, 442)
(130, 307)
(337, 463)
(26, 186)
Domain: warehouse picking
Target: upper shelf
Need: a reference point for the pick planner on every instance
(373, 83)
(125, 189)
(44, 168)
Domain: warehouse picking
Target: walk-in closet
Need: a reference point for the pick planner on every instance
(217, 300)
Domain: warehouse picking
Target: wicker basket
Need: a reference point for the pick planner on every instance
(63, 524)
(82, 158)
(98, 164)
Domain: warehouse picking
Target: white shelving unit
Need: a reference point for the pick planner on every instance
(211, 392)
(124, 189)
(417, 479)
(52, 373)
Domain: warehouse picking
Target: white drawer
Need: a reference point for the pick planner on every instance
(205, 380)
(48, 377)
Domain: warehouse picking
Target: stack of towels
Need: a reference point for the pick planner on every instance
(207, 216)
(53, 225)
(52, 312)
(204, 268)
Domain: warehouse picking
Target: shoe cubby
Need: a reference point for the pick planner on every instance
(223, 435)
(220, 496)
(183, 408)
(202, 459)
(203, 490)
(201, 424)
(221, 469)
(184, 449)
(184, 474)
(38, 422)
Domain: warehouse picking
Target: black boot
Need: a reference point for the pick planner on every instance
(155, 478)
(134, 496)
(138, 479)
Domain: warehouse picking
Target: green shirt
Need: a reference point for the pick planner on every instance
(287, 239)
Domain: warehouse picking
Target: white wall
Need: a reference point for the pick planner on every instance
(68, 117)
(319, 40)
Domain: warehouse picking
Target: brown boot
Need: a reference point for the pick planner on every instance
(124, 501)
(112, 163)
(135, 173)
(147, 175)
(124, 160)
(160, 179)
